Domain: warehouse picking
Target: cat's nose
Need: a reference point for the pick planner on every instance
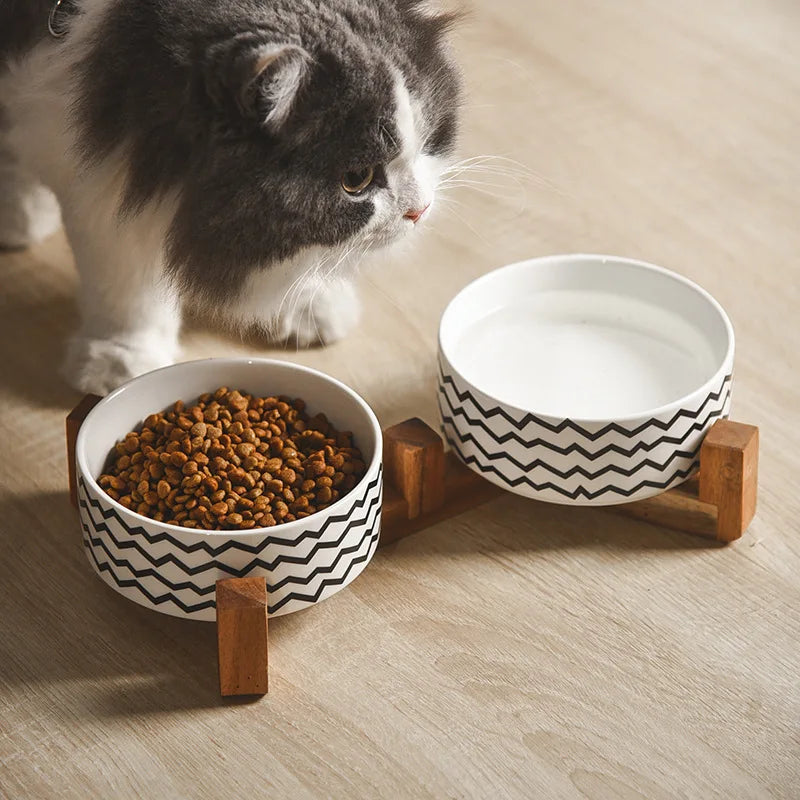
(415, 214)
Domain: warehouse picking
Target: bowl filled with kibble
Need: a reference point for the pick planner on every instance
(227, 468)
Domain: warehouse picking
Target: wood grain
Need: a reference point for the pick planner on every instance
(462, 490)
(520, 650)
(721, 501)
(681, 511)
(413, 462)
(729, 476)
(242, 636)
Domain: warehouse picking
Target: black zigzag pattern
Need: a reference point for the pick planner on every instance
(460, 428)
(150, 572)
(170, 558)
(580, 491)
(229, 544)
(568, 424)
(577, 469)
(193, 608)
(590, 455)
(106, 562)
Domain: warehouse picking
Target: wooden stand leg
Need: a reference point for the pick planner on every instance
(719, 506)
(75, 419)
(242, 636)
(729, 476)
(413, 458)
(721, 503)
(423, 484)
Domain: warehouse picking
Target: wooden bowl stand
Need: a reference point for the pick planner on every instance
(424, 485)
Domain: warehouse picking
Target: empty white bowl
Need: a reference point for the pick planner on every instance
(583, 379)
(174, 570)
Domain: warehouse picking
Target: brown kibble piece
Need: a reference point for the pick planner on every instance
(274, 486)
(273, 465)
(232, 461)
(199, 429)
(316, 468)
(178, 459)
(245, 449)
(324, 494)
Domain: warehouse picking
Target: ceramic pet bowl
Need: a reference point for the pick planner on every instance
(583, 379)
(173, 569)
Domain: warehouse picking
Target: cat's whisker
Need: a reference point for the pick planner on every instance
(359, 244)
(362, 249)
(385, 295)
(293, 287)
(500, 165)
(314, 283)
(347, 250)
(485, 187)
(487, 158)
(494, 170)
(296, 291)
(476, 172)
(449, 201)
(472, 183)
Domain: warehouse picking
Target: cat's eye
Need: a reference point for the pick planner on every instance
(355, 181)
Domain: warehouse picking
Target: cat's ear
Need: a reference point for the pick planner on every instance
(277, 75)
(260, 80)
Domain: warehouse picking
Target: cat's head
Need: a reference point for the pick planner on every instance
(331, 132)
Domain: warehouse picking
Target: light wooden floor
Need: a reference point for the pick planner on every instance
(517, 651)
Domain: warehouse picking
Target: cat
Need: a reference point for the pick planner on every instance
(237, 156)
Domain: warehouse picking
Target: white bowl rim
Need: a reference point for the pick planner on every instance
(667, 408)
(287, 528)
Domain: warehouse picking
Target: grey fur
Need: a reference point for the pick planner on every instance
(171, 82)
(22, 24)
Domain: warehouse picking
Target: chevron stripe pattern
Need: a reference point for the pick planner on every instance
(562, 461)
(176, 573)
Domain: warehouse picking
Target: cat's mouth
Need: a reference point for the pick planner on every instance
(403, 228)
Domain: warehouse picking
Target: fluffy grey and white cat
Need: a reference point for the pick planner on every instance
(227, 154)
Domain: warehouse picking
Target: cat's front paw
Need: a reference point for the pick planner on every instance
(100, 365)
(27, 215)
(325, 319)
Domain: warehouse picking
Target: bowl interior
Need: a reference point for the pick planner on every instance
(124, 409)
(586, 337)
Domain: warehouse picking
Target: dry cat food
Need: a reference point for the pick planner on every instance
(233, 462)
